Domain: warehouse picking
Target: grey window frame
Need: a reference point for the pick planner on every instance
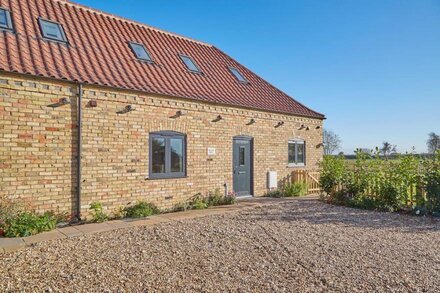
(198, 71)
(9, 25)
(60, 26)
(167, 135)
(150, 60)
(296, 142)
(231, 69)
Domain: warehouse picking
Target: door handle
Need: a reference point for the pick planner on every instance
(241, 172)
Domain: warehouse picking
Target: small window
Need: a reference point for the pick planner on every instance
(140, 51)
(5, 19)
(241, 157)
(167, 155)
(296, 153)
(190, 63)
(52, 30)
(238, 75)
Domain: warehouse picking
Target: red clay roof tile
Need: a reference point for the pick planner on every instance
(98, 53)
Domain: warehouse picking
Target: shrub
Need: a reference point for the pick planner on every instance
(230, 199)
(289, 190)
(98, 215)
(183, 206)
(373, 183)
(388, 197)
(118, 213)
(361, 202)
(141, 209)
(9, 210)
(216, 198)
(27, 224)
(198, 202)
(17, 221)
(341, 197)
(295, 189)
(274, 193)
(432, 184)
(332, 173)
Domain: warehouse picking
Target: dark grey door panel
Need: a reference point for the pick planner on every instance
(242, 166)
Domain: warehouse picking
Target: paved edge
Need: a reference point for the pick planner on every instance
(15, 244)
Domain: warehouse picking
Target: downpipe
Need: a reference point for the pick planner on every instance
(79, 154)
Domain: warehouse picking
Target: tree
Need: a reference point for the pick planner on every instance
(387, 149)
(331, 142)
(433, 142)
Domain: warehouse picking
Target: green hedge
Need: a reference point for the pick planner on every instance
(407, 182)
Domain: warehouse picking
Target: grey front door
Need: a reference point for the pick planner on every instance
(242, 166)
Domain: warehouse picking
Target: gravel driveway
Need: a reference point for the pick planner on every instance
(288, 246)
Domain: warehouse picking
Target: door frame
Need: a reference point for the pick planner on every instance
(251, 147)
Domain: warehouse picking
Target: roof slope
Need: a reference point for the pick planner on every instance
(98, 53)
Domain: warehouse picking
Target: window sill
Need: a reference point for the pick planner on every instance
(295, 165)
(162, 178)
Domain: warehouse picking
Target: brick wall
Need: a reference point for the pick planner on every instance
(38, 145)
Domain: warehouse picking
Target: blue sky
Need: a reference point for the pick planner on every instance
(372, 67)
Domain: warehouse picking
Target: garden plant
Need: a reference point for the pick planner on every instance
(406, 183)
(289, 190)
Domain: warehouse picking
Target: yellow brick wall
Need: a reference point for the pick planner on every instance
(38, 145)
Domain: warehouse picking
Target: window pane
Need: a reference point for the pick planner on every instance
(3, 19)
(291, 152)
(140, 51)
(300, 153)
(158, 154)
(52, 30)
(189, 63)
(176, 146)
(242, 153)
(238, 75)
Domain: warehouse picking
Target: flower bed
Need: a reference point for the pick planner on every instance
(17, 220)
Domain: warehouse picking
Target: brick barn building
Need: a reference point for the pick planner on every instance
(100, 108)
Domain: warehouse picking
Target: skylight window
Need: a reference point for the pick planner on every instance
(52, 30)
(238, 75)
(5, 19)
(140, 51)
(190, 63)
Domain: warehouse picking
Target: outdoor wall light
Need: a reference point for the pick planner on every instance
(252, 121)
(281, 123)
(127, 109)
(317, 127)
(218, 118)
(319, 145)
(178, 114)
(302, 127)
(61, 102)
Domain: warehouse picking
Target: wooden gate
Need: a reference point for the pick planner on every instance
(309, 177)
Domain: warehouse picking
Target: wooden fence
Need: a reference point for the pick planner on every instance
(309, 177)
